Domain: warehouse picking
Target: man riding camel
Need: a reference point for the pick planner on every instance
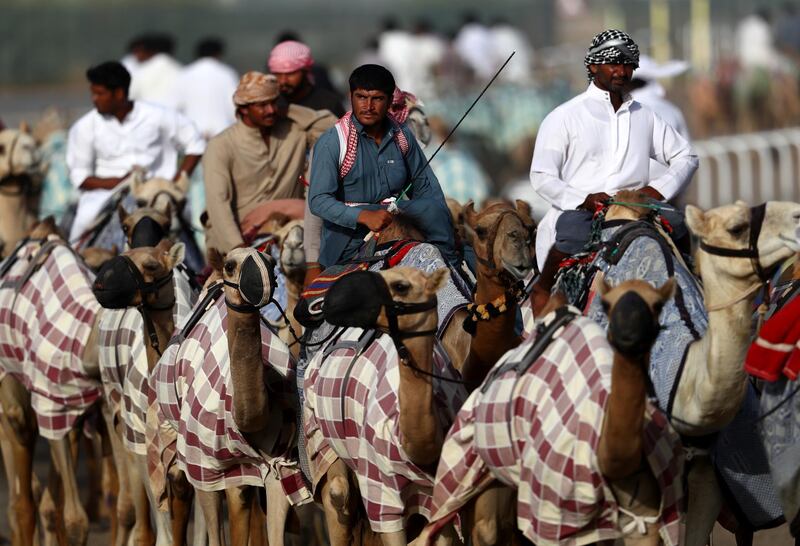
(291, 62)
(595, 145)
(259, 159)
(364, 164)
(119, 134)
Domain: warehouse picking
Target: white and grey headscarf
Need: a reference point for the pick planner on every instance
(611, 47)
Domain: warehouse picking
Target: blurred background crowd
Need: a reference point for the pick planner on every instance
(730, 66)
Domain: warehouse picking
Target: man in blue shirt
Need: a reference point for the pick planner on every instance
(365, 161)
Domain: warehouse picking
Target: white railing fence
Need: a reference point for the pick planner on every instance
(753, 167)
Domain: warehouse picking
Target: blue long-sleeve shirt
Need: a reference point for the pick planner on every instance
(379, 172)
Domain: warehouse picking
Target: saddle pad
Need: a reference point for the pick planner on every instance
(44, 330)
(351, 411)
(194, 390)
(123, 363)
(539, 434)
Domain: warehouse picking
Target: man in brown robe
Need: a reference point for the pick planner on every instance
(261, 158)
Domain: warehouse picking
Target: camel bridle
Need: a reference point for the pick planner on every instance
(757, 215)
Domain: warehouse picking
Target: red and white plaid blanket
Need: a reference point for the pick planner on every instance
(539, 434)
(44, 330)
(195, 395)
(123, 363)
(352, 412)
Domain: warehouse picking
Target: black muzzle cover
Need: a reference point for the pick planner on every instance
(257, 279)
(632, 329)
(147, 232)
(356, 299)
(117, 282)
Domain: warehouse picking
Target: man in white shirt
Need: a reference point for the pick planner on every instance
(601, 142)
(118, 135)
(204, 90)
(158, 71)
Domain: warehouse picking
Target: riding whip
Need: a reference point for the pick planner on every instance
(393, 205)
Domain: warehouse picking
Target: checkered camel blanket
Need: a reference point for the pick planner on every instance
(123, 363)
(44, 330)
(192, 381)
(351, 412)
(539, 433)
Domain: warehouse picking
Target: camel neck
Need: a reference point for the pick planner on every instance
(250, 402)
(162, 320)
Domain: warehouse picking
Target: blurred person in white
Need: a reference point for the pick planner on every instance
(119, 134)
(204, 89)
(428, 52)
(474, 44)
(505, 39)
(158, 72)
(396, 51)
(595, 145)
(136, 53)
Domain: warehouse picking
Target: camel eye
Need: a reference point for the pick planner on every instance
(739, 229)
(401, 287)
(141, 202)
(230, 267)
(481, 232)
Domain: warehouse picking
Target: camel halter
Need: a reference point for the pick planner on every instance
(757, 215)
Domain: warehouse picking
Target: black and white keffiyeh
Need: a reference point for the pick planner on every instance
(611, 47)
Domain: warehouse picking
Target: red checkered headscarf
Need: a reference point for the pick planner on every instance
(402, 101)
(289, 56)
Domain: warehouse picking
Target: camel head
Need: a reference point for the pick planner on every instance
(633, 308)
(145, 226)
(140, 275)
(19, 154)
(628, 212)
(249, 277)
(159, 193)
(96, 257)
(366, 299)
(44, 228)
(736, 229)
(293, 255)
(502, 237)
(457, 216)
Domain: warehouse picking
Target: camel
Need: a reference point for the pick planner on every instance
(126, 359)
(392, 380)
(292, 263)
(35, 396)
(248, 370)
(571, 386)
(21, 176)
(95, 257)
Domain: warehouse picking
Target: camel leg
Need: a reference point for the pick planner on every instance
(125, 511)
(76, 523)
(277, 511)
(258, 523)
(211, 504)
(705, 501)
(493, 516)
(199, 527)
(11, 480)
(163, 529)
(19, 427)
(240, 501)
(143, 534)
(52, 525)
(94, 490)
(180, 504)
(337, 501)
(639, 494)
(397, 538)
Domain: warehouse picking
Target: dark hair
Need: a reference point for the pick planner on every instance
(287, 35)
(111, 75)
(209, 47)
(372, 77)
(161, 43)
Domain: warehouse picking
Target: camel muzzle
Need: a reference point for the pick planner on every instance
(147, 232)
(118, 282)
(356, 300)
(632, 328)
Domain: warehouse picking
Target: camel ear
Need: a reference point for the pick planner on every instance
(176, 254)
(667, 289)
(524, 208)
(601, 285)
(437, 280)
(183, 183)
(470, 216)
(696, 220)
(122, 213)
(137, 180)
(215, 259)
